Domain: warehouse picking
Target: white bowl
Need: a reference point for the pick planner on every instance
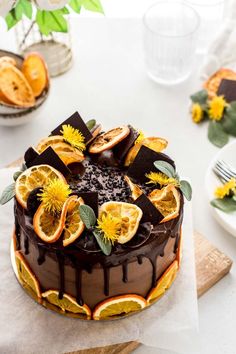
(227, 153)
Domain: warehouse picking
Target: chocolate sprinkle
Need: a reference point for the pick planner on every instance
(150, 212)
(227, 88)
(76, 122)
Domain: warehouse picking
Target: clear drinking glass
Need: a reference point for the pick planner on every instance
(170, 35)
(211, 13)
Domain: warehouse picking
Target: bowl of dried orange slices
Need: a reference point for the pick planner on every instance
(24, 86)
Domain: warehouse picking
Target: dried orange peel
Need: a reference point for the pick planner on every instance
(74, 226)
(108, 140)
(118, 306)
(163, 283)
(167, 201)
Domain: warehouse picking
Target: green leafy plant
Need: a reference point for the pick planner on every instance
(220, 115)
(89, 219)
(170, 172)
(225, 197)
(49, 21)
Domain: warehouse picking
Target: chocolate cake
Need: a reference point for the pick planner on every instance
(112, 248)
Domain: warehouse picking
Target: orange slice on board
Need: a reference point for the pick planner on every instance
(108, 140)
(118, 306)
(129, 216)
(163, 283)
(34, 177)
(156, 144)
(26, 275)
(213, 83)
(15, 87)
(35, 70)
(67, 304)
(136, 191)
(74, 226)
(67, 153)
(167, 201)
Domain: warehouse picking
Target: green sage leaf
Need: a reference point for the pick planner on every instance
(229, 120)
(166, 168)
(105, 245)
(87, 216)
(227, 205)
(16, 175)
(91, 124)
(200, 97)
(216, 134)
(8, 193)
(186, 189)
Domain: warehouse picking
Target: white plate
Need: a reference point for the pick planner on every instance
(228, 154)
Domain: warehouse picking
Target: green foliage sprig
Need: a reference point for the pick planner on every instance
(50, 21)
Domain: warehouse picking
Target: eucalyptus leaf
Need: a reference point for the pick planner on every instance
(229, 121)
(186, 189)
(23, 167)
(51, 21)
(200, 97)
(105, 245)
(92, 5)
(91, 124)
(26, 7)
(75, 5)
(216, 134)
(8, 193)
(228, 205)
(165, 168)
(87, 216)
(11, 19)
(16, 175)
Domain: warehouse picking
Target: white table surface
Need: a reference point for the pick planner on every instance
(108, 82)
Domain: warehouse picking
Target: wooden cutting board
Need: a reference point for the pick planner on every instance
(211, 266)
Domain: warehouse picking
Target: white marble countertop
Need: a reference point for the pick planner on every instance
(108, 82)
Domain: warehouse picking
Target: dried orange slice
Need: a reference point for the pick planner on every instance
(35, 70)
(26, 275)
(118, 306)
(180, 250)
(129, 216)
(156, 144)
(167, 201)
(34, 177)
(74, 226)
(95, 131)
(163, 283)
(67, 153)
(7, 60)
(213, 83)
(15, 87)
(3, 99)
(108, 140)
(136, 191)
(48, 226)
(67, 304)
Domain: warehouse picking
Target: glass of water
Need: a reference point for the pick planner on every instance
(170, 37)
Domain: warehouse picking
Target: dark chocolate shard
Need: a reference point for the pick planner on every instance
(30, 155)
(90, 199)
(150, 212)
(227, 88)
(142, 235)
(76, 122)
(49, 157)
(144, 163)
(105, 158)
(121, 149)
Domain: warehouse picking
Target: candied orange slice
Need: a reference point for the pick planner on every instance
(213, 83)
(167, 201)
(136, 191)
(163, 283)
(34, 177)
(156, 144)
(129, 216)
(119, 306)
(67, 304)
(74, 226)
(67, 153)
(26, 275)
(15, 87)
(35, 70)
(108, 140)
(180, 250)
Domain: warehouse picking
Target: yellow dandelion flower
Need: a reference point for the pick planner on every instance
(161, 178)
(197, 113)
(73, 137)
(140, 137)
(224, 191)
(110, 226)
(54, 195)
(216, 107)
